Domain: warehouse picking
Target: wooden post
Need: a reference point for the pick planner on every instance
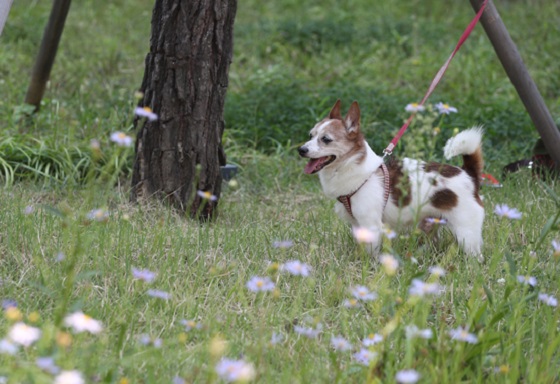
(47, 53)
(4, 10)
(519, 76)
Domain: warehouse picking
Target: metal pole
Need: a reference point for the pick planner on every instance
(47, 53)
(520, 78)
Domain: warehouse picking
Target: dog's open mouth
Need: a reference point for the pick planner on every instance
(315, 165)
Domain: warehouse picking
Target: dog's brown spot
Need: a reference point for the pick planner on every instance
(443, 169)
(444, 199)
(473, 165)
(358, 146)
(399, 184)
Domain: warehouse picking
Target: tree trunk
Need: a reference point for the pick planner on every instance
(185, 84)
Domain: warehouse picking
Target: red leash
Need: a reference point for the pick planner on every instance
(436, 80)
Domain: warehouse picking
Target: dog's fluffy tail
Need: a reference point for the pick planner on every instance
(469, 144)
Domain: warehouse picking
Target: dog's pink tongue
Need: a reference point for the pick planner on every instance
(311, 165)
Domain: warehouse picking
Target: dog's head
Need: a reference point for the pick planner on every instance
(334, 140)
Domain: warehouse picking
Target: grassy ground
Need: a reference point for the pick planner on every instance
(292, 61)
(205, 269)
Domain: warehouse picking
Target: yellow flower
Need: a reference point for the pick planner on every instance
(13, 314)
(217, 346)
(64, 339)
(33, 317)
(274, 267)
(503, 368)
(124, 380)
(182, 337)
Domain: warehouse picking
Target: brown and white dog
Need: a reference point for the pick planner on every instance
(371, 193)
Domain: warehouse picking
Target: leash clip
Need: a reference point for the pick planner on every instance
(388, 151)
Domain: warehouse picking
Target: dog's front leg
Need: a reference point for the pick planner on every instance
(373, 225)
(341, 212)
(374, 247)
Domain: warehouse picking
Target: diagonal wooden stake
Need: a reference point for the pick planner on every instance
(47, 53)
(511, 60)
(4, 10)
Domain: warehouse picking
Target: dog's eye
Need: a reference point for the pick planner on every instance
(310, 136)
(326, 139)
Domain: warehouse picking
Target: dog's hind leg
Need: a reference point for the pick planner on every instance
(468, 229)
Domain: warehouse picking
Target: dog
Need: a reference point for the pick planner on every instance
(371, 193)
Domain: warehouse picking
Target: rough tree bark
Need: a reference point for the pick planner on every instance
(185, 82)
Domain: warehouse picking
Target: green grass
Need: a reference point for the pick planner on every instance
(292, 61)
(205, 269)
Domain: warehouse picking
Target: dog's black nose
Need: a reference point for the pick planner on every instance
(302, 151)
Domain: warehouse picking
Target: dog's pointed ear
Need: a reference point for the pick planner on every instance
(335, 111)
(352, 120)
